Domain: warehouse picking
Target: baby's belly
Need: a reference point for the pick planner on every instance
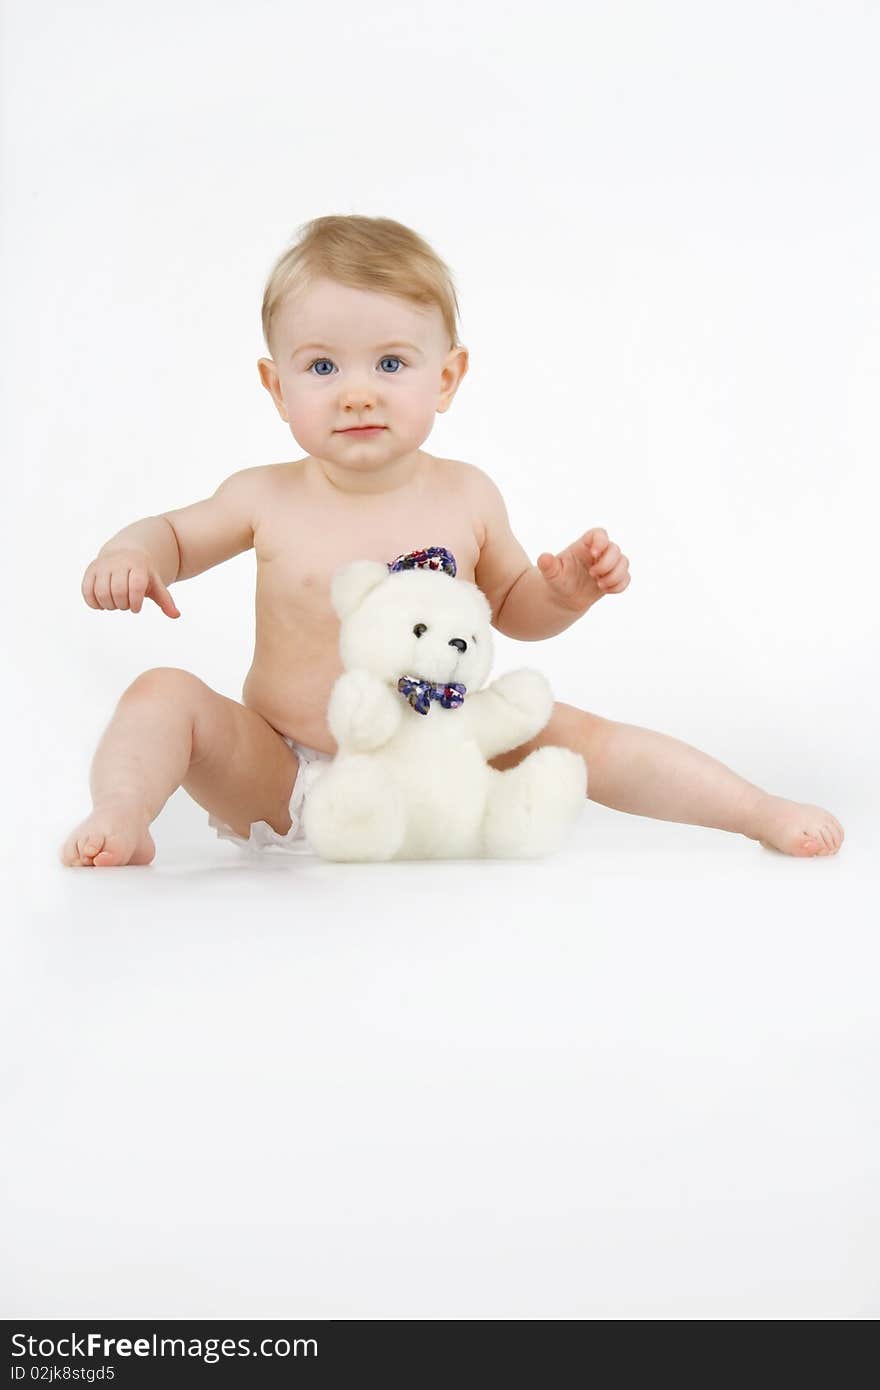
(293, 696)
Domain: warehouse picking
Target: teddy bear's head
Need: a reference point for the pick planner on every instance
(416, 622)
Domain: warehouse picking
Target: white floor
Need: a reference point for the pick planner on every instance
(639, 1080)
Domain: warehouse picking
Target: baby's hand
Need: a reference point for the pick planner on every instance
(585, 570)
(123, 579)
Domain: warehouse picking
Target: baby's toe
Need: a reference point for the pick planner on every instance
(115, 833)
(88, 847)
(808, 845)
(793, 828)
(73, 852)
(114, 850)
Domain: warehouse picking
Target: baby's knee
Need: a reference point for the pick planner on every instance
(166, 683)
(574, 728)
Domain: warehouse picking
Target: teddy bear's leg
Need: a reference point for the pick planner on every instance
(532, 806)
(352, 812)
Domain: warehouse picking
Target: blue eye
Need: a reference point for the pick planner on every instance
(319, 360)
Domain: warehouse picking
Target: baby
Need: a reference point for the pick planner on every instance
(360, 319)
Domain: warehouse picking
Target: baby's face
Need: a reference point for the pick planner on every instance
(346, 357)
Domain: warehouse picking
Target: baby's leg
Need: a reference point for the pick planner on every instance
(649, 774)
(171, 730)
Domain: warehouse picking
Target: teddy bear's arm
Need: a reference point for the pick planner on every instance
(510, 711)
(363, 714)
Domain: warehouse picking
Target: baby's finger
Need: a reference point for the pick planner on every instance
(159, 594)
(119, 588)
(616, 572)
(606, 562)
(617, 580)
(137, 587)
(87, 588)
(549, 565)
(596, 541)
(102, 590)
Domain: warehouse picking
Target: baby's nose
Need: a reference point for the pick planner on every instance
(458, 642)
(358, 393)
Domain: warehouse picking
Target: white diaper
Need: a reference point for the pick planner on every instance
(262, 836)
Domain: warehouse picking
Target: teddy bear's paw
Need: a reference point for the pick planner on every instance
(352, 814)
(532, 806)
(530, 694)
(362, 714)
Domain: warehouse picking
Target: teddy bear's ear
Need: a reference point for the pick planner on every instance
(353, 582)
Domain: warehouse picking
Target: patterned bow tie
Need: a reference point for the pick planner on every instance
(436, 557)
(421, 693)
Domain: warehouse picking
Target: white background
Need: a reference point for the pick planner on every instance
(663, 223)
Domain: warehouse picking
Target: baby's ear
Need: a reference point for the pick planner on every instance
(353, 582)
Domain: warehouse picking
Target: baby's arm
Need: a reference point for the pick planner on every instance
(528, 601)
(143, 559)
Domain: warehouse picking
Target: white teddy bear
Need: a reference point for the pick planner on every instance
(414, 730)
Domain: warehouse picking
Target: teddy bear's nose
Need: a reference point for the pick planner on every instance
(458, 642)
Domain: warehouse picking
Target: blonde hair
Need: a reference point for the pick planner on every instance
(368, 253)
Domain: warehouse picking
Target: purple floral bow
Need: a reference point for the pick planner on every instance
(436, 557)
(421, 693)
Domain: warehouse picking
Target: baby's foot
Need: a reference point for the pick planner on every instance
(115, 833)
(794, 828)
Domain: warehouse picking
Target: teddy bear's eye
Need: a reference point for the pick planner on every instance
(420, 628)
